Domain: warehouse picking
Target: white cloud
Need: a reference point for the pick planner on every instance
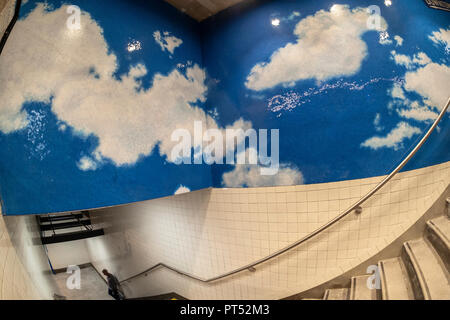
(397, 92)
(182, 189)
(434, 93)
(401, 59)
(73, 71)
(250, 176)
(329, 45)
(417, 80)
(44, 62)
(442, 37)
(166, 41)
(87, 164)
(419, 59)
(417, 112)
(377, 122)
(62, 126)
(394, 138)
(294, 15)
(399, 41)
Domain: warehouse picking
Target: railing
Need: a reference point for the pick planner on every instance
(356, 206)
(5, 34)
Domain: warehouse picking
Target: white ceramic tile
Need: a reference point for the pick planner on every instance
(214, 231)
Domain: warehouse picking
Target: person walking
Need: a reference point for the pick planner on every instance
(114, 287)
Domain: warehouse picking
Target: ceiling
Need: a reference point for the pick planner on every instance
(202, 9)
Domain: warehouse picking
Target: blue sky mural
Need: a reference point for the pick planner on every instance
(87, 114)
(350, 101)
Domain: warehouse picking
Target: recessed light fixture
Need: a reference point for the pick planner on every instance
(275, 22)
(387, 3)
(134, 46)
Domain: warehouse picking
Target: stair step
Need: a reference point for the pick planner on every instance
(65, 225)
(336, 294)
(63, 217)
(430, 274)
(395, 283)
(438, 232)
(71, 236)
(359, 290)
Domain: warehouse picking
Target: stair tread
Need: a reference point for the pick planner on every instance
(336, 294)
(430, 271)
(61, 217)
(65, 225)
(395, 282)
(360, 290)
(442, 226)
(71, 236)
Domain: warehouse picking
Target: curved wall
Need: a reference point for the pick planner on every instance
(351, 93)
(91, 98)
(24, 268)
(210, 232)
(87, 109)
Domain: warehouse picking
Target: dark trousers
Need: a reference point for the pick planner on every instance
(115, 294)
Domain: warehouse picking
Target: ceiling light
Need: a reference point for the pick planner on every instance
(134, 46)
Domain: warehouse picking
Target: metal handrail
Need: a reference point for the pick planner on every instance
(11, 24)
(355, 206)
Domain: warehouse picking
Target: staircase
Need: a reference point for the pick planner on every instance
(438, 4)
(422, 272)
(57, 228)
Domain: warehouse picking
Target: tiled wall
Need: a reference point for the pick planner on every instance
(23, 264)
(7, 8)
(213, 231)
(68, 253)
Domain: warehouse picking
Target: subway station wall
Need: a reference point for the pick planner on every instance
(350, 98)
(212, 232)
(87, 113)
(24, 265)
